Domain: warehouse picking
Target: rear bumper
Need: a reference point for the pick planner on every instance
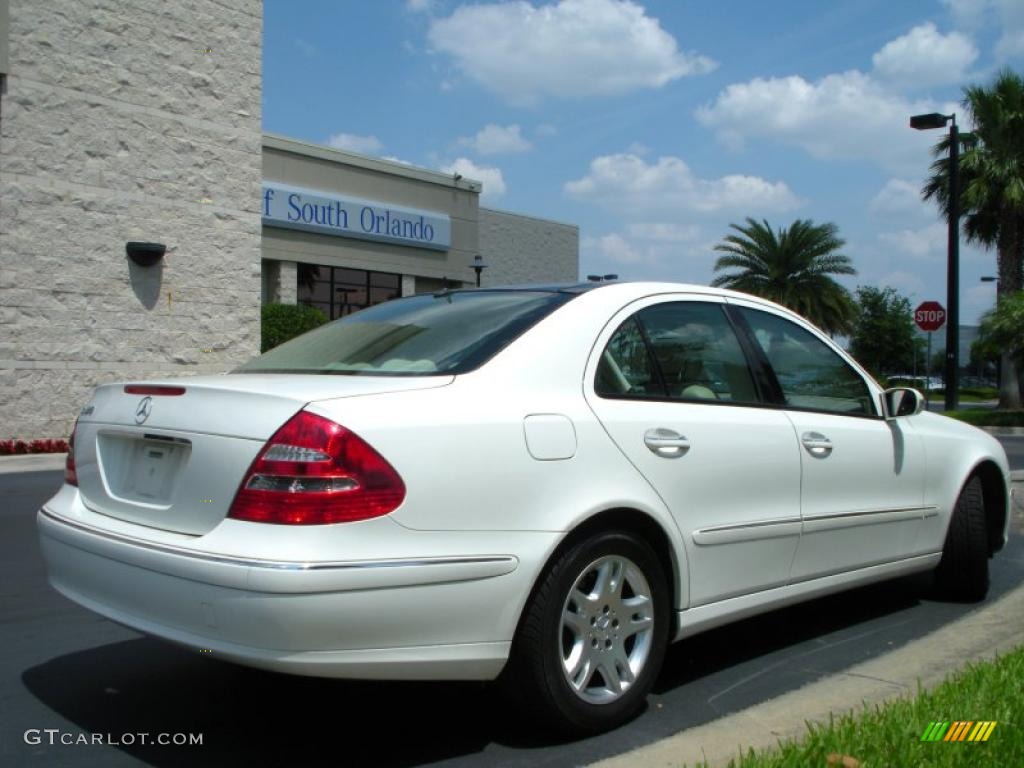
(430, 617)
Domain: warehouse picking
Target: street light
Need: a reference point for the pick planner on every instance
(924, 123)
(478, 267)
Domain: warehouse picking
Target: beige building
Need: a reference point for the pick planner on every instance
(343, 231)
(138, 122)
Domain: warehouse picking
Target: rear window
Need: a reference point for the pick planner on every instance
(445, 333)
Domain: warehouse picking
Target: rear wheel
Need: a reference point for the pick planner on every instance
(962, 574)
(593, 636)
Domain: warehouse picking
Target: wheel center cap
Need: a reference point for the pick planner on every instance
(603, 623)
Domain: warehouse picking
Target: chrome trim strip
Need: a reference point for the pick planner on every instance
(734, 533)
(739, 526)
(929, 511)
(276, 565)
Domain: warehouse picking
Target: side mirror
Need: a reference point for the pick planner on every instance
(903, 401)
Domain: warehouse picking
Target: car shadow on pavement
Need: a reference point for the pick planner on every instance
(256, 718)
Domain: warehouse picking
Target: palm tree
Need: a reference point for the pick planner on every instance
(792, 267)
(991, 190)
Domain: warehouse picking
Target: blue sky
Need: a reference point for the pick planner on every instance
(653, 125)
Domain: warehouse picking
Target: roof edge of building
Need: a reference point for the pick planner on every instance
(378, 164)
(517, 215)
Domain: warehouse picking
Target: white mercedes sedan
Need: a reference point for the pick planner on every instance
(542, 486)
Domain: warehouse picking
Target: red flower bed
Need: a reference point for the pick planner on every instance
(16, 447)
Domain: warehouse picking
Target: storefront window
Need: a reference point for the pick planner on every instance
(340, 291)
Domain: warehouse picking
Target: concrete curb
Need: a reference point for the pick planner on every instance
(995, 628)
(32, 462)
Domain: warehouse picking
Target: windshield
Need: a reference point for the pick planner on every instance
(443, 333)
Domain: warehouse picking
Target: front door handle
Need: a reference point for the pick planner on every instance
(817, 444)
(666, 443)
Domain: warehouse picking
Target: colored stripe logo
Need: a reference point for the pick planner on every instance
(959, 730)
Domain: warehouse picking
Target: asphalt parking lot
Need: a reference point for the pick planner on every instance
(64, 668)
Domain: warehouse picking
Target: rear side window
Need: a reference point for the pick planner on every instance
(431, 334)
(626, 368)
(697, 352)
(812, 376)
(684, 350)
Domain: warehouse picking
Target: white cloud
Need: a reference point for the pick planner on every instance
(420, 6)
(847, 115)
(925, 57)
(626, 182)
(968, 14)
(1011, 18)
(568, 49)
(616, 249)
(901, 198)
(497, 140)
(366, 145)
(491, 178)
(927, 243)
(1006, 16)
(665, 232)
(907, 283)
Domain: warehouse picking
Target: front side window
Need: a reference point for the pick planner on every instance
(812, 376)
(444, 333)
(683, 350)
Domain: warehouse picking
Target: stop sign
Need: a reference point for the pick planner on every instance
(930, 316)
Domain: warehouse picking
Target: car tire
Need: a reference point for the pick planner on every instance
(592, 637)
(962, 573)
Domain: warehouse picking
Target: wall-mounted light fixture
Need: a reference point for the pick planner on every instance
(478, 267)
(145, 254)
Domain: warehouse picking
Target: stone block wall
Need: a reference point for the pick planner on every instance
(523, 249)
(126, 121)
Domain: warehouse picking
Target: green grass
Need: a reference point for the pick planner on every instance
(988, 418)
(890, 734)
(970, 394)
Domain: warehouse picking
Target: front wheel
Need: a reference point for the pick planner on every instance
(593, 636)
(962, 574)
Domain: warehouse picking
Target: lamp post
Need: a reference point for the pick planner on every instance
(923, 123)
(478, 267)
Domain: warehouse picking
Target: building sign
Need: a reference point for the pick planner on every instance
(330, 214)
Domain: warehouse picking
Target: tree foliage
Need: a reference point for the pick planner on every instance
(1002, 329)
(883, 338)
(793, 266)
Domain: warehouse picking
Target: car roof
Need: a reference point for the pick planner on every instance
(631, 288)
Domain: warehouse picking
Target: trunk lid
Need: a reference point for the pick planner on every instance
(174, 462)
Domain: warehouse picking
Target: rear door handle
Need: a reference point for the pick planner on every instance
(817, 444)
(666, 443)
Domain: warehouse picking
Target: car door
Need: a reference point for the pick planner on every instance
(862, 489)
(671, 384)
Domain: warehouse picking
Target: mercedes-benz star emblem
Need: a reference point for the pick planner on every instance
(145, 408)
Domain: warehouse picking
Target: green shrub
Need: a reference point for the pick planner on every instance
(984, 417)
(281, 322)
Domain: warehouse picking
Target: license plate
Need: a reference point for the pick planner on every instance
(151, 470)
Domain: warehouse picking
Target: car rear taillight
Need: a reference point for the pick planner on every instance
(70, 474)
(314, 471)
